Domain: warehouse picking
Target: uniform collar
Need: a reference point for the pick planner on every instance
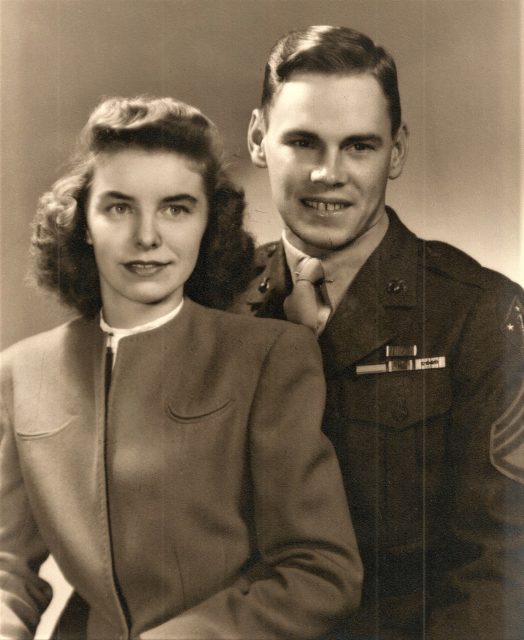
(341, 267)
(398, 264)
(378, 301)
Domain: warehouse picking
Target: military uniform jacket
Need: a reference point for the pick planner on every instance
(424, 366)
(186, 497)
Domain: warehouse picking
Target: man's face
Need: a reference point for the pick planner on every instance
(327, 144)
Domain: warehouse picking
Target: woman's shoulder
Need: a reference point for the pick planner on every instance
(263, 329)
(46, 342)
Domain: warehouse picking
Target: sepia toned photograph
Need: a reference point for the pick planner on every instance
(261, 320)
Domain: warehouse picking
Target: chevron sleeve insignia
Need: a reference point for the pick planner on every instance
(507, 440)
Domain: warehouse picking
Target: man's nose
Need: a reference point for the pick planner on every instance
(147, 234)
(330, 170)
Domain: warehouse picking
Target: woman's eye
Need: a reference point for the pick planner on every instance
(175, 210)
(119, 208)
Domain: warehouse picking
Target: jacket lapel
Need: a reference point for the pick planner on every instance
(375, 307)
(269, 291)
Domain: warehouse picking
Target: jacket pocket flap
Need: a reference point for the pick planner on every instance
(35, 429)
(399, 400)
(198, 411)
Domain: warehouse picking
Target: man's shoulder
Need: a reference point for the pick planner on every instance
(265, 254)
(266, 251)
(489, 297)
(268, 275)
(453, 264)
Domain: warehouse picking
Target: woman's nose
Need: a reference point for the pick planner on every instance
(147, 235)
(330, 171)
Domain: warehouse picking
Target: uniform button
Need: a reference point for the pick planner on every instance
(400, 411)
(397, 286)
(264, 285)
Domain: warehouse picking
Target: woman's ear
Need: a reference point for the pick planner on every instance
(399, 152)
(255, 138)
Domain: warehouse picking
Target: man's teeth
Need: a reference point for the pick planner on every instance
(325, 206)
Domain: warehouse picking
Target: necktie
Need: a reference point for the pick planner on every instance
(302, 305)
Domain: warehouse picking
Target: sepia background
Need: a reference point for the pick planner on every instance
(459, 71)
(459, 68)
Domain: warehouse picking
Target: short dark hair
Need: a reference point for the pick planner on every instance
(332, 50)
(65, 263)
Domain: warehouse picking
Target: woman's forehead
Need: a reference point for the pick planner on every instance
(136, 171)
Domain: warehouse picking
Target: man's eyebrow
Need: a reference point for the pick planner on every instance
(363, 137)
(300, 133)
(353, 139)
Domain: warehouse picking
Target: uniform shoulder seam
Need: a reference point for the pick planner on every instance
(451, 262)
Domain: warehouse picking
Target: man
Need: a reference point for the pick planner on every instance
(423, 349)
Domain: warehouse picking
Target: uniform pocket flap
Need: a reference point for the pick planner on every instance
(399, 400)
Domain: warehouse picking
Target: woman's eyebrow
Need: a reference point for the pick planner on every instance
(117, 195)
(178, 197)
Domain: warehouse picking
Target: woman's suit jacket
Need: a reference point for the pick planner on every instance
(201, 502)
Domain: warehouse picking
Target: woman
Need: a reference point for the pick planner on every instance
(167, 454)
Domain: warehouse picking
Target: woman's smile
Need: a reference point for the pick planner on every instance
(146, 268)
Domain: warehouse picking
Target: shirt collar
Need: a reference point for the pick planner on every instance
(119, 333)
(341, 267)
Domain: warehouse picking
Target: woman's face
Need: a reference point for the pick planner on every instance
(146, 215)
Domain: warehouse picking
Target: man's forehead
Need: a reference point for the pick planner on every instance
(308, 82)
(328, 100)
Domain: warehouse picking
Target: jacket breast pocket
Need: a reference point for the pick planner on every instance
(36, 429)
(400, 400)
(201, 412)
(395, 427)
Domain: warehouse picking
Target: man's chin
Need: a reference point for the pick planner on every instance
(316, 244)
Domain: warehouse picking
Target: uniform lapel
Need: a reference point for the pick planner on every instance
(376, 305)
(268, 292)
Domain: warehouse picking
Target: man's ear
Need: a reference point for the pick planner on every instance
(255, 138)
(399, 152)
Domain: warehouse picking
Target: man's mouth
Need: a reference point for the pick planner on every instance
(325, 206)
(145, 267)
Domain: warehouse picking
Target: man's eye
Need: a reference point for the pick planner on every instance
(361, 146)
(301, 144)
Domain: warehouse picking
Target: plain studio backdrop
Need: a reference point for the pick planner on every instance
(459, 67)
